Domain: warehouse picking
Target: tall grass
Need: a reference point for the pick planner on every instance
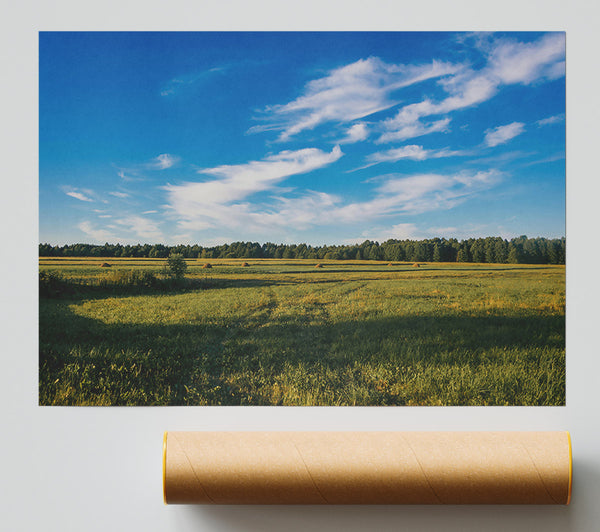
(281, 332)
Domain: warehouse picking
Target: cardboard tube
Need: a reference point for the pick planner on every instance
(367, 468)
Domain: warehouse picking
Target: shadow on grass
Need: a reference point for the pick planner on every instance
(407, 269)
(177, 364)
(70, 289)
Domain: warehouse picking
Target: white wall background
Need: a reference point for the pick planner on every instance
(99, 469)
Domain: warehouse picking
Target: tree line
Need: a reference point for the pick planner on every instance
(520, 250)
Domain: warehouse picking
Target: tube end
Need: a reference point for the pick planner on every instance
(570, 467)
(164, 467)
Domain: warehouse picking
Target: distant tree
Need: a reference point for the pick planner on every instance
(176, 266)
(500, 251)
(462, 255)
(514, 257)
(478, 251)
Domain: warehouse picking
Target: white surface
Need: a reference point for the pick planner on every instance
(99, 469)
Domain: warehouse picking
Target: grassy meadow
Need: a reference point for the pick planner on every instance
(283, 332)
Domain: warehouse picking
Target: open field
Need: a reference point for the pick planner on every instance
(282, 332)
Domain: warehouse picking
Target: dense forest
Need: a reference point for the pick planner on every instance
(521, 250)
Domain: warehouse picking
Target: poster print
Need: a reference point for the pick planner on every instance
(302, 218)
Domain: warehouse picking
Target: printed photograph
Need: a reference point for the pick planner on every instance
(302, 218)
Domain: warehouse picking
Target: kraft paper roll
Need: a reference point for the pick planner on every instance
(367, 468)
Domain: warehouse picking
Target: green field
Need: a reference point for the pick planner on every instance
(282, 332)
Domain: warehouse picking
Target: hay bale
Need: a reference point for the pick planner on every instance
(105, 265)
(207, 265)
(390, 264)
(319, 265)
(245, 265)
(416, 265)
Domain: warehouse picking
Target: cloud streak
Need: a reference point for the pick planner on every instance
(208, 204)
(99, 235)
(163, 161)
(551, 120)
(143, 228)
(348, 93)
(177, 84)
(412, 152)
(418, 194)
(394, 196)
(502, 134)
(508, 62)
(79, 196)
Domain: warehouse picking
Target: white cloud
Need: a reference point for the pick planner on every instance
(403, 231)
(100, 235)
(131, 173)
(501, 159)
(356, 133)
(515, 62)
(418, 194)
(413, 232)
(509, 62)
(551, 120)
(552, 158)
(78, 195)
(150, 212)
(412, 129)
(142, 227)
(348, 93)
(163, 161)
(502, 134)
(211, 203)
(119, 194)
(176, 84)
(300, 213)
(412, 152)
(395, 196)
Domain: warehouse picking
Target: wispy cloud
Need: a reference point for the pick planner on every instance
(381, 234)
(356, 133)
(181, 82)
(501, 159)
(142, 227)
(508, 62)
(288, 213)
(502, 134)
(551, 120)
(406, 129)
(81, 196)
(552, 158)
(163, 161)
(415, 232)
(348, 93)
(129, 174)
(119, 194)
(99, 235)
(418, 194)
(210, 203)
(412, 152)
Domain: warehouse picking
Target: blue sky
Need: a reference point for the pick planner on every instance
(320, 138)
